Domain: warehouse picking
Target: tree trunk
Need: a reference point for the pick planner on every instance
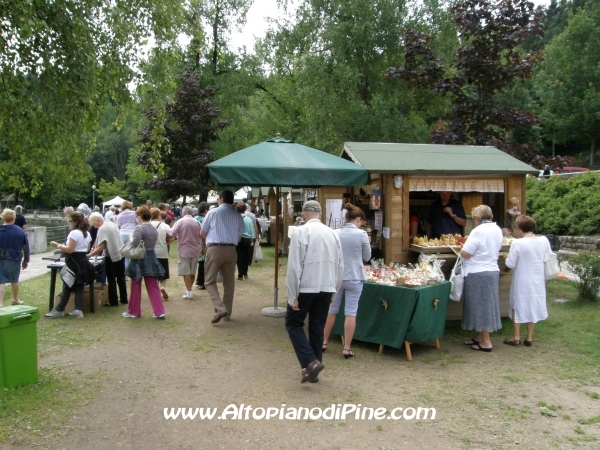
(215, 55)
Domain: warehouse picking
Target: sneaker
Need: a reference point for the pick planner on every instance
(162, 316)
(188, 297)
(54, 314)
(76, 313)
(163, 292)
(129, 316)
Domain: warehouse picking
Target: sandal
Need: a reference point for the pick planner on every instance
(349, 354)
(472, 342)
(480, 348)
(16, 302)
(324, 348)
(515, 342)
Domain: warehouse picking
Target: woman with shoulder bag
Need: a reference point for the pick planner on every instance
(528, 288)
(481, 309)
(148, 268)
(161, 249)
(77, 262)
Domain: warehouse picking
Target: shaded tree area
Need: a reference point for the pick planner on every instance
(489, 61)
(567, 84)
(554, 22)
(176, 146)
(114, 140)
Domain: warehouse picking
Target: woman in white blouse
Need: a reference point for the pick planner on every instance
(76, 260)
(481, 308)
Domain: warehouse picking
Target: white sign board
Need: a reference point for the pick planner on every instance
(334, 215)
(386, 232)
(378, 225)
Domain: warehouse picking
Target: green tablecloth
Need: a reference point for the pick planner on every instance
(410, 314)
(428, 321)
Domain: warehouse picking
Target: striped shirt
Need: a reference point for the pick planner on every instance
(223, 225)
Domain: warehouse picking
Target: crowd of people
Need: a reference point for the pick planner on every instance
(324, 266)
(200, 258)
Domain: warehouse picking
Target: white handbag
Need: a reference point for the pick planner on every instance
(458, 280)
(551, 267)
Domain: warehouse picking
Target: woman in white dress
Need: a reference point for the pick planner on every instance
(528, 289)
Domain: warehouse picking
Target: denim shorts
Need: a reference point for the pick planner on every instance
(9, 271)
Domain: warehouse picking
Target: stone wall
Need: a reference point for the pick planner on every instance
(37, 239)
(576, 243)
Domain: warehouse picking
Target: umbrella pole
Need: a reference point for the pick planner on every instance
(276, 290)
(275, 311)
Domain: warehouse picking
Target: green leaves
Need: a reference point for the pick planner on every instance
(58, 61)
(565, 206)
(176, 142)
(488, 61)
(568, 83)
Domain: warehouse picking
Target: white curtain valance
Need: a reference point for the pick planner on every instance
(456, 184)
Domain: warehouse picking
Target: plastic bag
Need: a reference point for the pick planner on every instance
(458, 281)
(258, 254)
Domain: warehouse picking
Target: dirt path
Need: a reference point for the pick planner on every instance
(139, 367)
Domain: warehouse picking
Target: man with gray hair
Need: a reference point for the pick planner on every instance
(20, 218)
(315, 273)
(108, 240)
(187, 231)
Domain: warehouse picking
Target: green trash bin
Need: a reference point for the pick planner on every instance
(18, 345)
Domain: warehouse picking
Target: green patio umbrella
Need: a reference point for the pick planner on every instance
(280, 162)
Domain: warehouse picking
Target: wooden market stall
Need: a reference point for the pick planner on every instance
(404, 181)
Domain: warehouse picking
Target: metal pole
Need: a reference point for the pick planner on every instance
(277, 194)
(93, 197)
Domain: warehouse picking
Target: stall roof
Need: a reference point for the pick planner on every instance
(433, 159)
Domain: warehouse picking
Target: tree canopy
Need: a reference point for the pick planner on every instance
(329, 72)
(176, 144)
(58, 61)
(489, 60)
(569, 80)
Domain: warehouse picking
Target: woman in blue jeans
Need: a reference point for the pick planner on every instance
(355, 249)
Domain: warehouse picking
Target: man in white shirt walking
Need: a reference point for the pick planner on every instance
(315, 273)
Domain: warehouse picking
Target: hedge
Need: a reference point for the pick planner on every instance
(564, 206)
